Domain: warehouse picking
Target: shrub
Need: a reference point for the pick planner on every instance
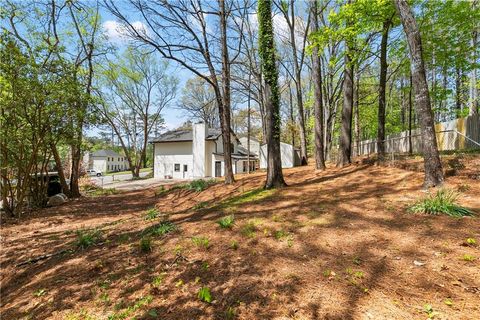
(87, 238)
(226, 222)
(145, 244)
(204, 294)
(151, 214)
(442, 202)
(200, 184)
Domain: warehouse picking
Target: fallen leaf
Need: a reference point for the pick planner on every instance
(418, 263)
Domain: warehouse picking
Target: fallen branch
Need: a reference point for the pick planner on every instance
(42, 257)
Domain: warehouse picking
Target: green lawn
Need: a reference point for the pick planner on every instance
(127, 172)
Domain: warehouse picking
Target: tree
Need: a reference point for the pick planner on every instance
(198, 102)
(432, 164)
(137, 88)
(266, 46)
(317, 89)
(288, 11)
(183, 31)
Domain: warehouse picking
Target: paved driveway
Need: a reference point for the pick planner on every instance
(105, 180)
(140, 184)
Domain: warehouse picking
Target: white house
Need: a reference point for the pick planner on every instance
(290, 156)
(196, 153)
(254, 144)
(105, 161)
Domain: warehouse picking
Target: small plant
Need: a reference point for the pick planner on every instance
(40, 292)
(201, 242)
(429, 311)
(471, 241)
(226, 222)
(442, 202)
(205, 295)
(151, 214)
(87, 238)
(234, 244)
(448, 302)
(468, 257)
(205, 266)
(157, 281)
(280, 234)
(249, 229)
(146, 244)
(160, 229)
(201, 205)
(230, 313)
(199, 185)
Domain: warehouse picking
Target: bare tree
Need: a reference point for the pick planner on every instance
(317, 92)
(198, 102)
(184, 31)
(432, 164)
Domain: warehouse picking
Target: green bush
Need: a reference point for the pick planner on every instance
(442, 202)
(200, 184)
(87, 238)
(226, 222)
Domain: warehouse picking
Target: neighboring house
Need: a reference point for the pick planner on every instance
(196, 153)
(105, 161)
(290, 156)
(254, 145)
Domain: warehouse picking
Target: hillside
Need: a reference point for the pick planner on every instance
(337, 244)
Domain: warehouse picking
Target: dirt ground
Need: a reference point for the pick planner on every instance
(337, 244)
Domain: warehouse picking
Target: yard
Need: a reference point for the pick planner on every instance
(337, 244)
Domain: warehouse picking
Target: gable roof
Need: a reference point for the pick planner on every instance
(185, 135)
(105, 153)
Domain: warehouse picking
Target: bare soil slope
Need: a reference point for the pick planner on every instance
(337, 244)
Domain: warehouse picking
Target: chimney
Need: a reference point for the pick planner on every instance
(199, 132)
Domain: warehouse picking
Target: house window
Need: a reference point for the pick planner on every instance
(185, 168)
(232, 148)
(118, 159)
(177, 167)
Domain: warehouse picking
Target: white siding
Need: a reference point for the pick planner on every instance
(287, 155)
(168, 154)
(254, 145)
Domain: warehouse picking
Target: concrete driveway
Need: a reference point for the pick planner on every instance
(141, 184)
(103, 181)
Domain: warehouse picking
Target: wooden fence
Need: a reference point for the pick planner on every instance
(458, 134)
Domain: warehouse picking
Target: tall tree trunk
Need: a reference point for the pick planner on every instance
(473, 107)
(225, 109)
(298, 87)
(356, 105)
(61, 172)
(432, 164)
(292, 117)
(458, 89)
(410, 115)
(317, 92)
(272, 95)
(345, 151)
(382, 91)
(249, 110)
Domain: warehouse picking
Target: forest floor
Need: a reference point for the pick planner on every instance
(337, 244)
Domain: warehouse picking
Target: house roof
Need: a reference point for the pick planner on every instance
(185, 135)
(105, 153)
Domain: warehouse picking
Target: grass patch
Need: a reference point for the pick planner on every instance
(160, 229)
(250, 229)
(129, 311)
(87, 238)
(201, 205)
(201, 242)
(151, 214)
(442, 202)
(226, 222)
(247, 197)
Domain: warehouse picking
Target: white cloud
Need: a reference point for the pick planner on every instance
(118, 33)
